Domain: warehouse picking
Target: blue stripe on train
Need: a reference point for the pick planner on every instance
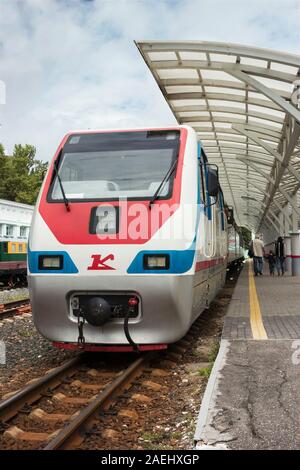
(69, 266)
(180, 261)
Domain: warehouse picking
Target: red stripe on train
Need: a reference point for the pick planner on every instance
(72, 227)
(103, 348)
(200, 265)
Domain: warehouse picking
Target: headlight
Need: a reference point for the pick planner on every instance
(50, 262)
(156, 261)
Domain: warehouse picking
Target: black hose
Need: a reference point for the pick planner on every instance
(127, 334)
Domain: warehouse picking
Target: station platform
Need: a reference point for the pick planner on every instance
(252, 400)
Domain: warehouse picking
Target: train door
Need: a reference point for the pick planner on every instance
(223, 241)
(212, 242)
(200, 291)
(214, 266)
(210, 239)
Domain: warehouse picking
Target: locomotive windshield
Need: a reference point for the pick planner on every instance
(109, 166)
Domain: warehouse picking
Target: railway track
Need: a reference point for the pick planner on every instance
(17, 307)
(65, 429)
(64, 407)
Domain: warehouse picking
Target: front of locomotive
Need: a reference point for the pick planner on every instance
(106, 269)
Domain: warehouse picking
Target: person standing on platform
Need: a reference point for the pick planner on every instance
(272, 262)
(280, 256)
(258, 253)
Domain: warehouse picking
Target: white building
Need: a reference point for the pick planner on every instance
(15, 220)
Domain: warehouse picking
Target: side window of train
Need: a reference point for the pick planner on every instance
(221, 209)
(208, 208)
(203, 183)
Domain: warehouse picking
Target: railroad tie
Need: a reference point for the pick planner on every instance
(131, 414)
(84, 386)
(160, 373)
(39, 414)
(154, 386)
(141, 398)
(25, 309)
(19, 435)
(60, 397)
(99, 373)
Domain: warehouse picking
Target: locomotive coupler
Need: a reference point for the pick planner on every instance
(81, 338)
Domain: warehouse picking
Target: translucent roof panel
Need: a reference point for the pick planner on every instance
(240, 101)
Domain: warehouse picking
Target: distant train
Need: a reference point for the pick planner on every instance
(13, 268)
(129, 239)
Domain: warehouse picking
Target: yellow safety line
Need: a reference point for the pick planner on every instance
(257, 326)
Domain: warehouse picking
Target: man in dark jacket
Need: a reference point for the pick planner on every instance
(280, 256)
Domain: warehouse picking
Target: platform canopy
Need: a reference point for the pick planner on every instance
(244, 104)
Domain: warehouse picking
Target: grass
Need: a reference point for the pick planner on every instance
(206, 371)
(26, 333)
(154, 437)
(155, 441)
(214, 351)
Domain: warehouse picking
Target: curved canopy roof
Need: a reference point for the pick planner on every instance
(244, 104)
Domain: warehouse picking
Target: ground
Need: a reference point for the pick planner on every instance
(168, 422)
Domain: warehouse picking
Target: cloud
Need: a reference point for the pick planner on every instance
(72, 64)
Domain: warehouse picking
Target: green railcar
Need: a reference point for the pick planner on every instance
(13, 255)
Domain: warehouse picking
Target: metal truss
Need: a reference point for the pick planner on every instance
(244, 104)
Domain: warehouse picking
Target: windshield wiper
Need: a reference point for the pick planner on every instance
(66, 202)
(164, 180)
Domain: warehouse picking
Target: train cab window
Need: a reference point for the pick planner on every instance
(21, 248)
(70, 174)
(110, 166)
(13, 247)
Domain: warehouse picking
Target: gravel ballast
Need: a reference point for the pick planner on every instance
(27, 354)
(169, 422)
(10, 295)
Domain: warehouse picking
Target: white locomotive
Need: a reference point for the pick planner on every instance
(129, 242)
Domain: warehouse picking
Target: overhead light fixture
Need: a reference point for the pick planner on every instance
(249, 198)
(252, 215)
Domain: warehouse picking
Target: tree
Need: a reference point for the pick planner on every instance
(21, 174)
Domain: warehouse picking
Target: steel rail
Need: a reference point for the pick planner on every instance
(34, 391)
(10, 309)
(73, 433)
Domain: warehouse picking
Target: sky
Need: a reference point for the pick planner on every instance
(73, 64)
